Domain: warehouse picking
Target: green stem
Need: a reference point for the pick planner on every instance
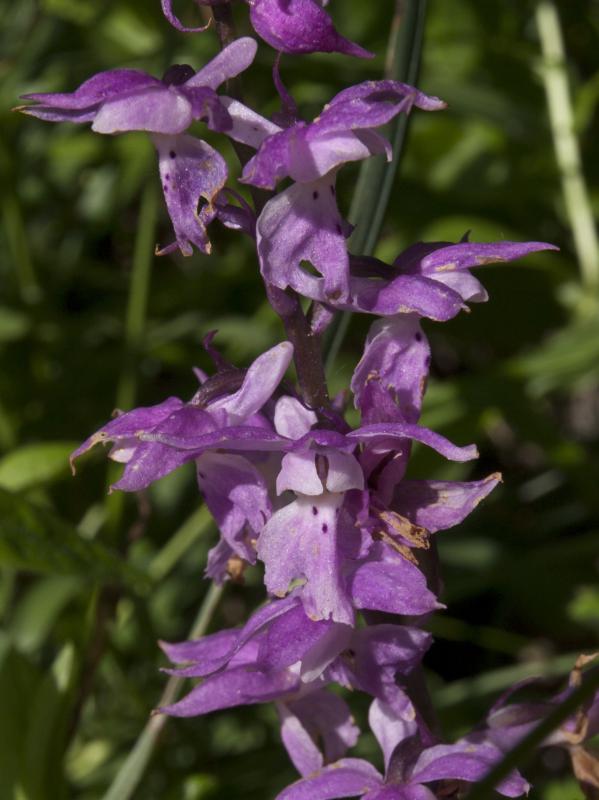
(377, 176)
(131, 772)
(522, 752)
(139, 288)
(567, 151)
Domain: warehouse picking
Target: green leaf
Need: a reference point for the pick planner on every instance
(35, 464)
(35, 539)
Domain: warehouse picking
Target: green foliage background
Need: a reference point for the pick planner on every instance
(89, 582)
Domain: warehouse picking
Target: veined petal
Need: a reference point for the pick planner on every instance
(345, 778)
(247, 126)
(318, 717)
(398, 430)
(300, 26)
(235, 58)
(467, 255)
(309, 539)
(303, 224)
(128, 425)
(233, 687)
(395, 586)
(98, 89)
(190, 170)
(380, 97)
(261, 379)
(465, 761)
(237, 495)
(292, 419)
(397, 358)
(438, 505)
(157, 109)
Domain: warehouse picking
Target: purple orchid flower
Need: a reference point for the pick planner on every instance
(409, 766)
(319, 537)
(303, 222)
(281, 654)
(122, 100)
(221, 420)
(290, 26)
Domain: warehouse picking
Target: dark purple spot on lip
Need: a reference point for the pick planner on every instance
(201, 474)
(165, 187)
(315, 195)
(418, 337)
(325, 527)
(167, 177)
(314, 510)
(172, 154)
(339, 229)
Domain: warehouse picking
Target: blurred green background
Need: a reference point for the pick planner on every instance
(89, 582)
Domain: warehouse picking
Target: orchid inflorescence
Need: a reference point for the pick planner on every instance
(325, 508)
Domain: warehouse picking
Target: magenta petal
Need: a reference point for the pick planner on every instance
(438, 505)
(236, 495)
(234, 687)
(299, 26)
(157, 109)
(247, 126)
(232, 60)
(126, 426)
(393, 431)
(466, 255)
(405, 294)
(262, 378)
(303, 224)
(190, 171)
(96, 90)
(397, 587)
(317, 717)
(383, 93)
(396, 358)
(305, 540)
(466, 762)
(345, 778)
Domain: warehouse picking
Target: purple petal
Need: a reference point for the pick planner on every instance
(128, 425)
(345, 778)
(438, 505)
(298, 473)
(397, 430)
(248, 127)
(305, 540)
(396, 359)
(157, 109)
(101, 87)
(270, 164)
(231, 688)
(241, 437)
(405, 294)
(235, 58)
(303, 224)
(317, 717)
(289, 637)
(389, 729)
(236, 495)
(262, 378)
(466, 255)
(299, 26)
(397, 587)
(386, 92)
(152, 460)
(190, 170)
(292, 419)
(401, 793)
(465, 761)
